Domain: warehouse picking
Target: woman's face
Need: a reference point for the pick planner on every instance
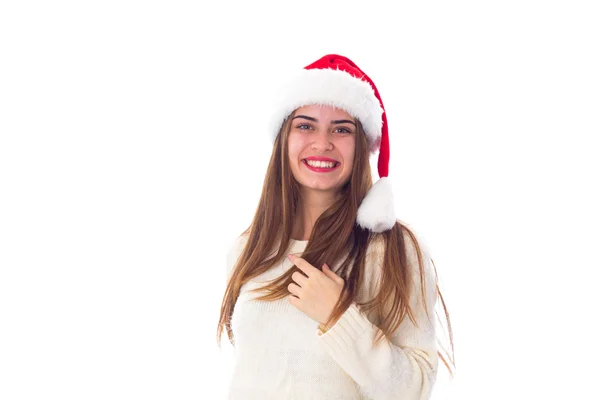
(325, 137)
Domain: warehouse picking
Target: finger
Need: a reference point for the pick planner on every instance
(299, 278)
(304, 265)
(294, 301)
(329, 272)
(294, 289)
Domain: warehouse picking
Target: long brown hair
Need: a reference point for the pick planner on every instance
(334, 235)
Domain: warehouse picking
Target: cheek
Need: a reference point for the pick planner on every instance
(295, 146)
(349, 152)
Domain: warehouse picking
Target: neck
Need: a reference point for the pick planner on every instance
(311, 205)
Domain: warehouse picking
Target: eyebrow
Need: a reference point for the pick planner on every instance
(335, 121)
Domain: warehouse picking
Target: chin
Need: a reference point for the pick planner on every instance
(321, 187)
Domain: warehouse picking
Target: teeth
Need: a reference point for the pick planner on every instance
(320, 164)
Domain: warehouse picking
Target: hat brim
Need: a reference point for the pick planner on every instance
(331, 87)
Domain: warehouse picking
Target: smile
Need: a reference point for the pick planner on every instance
(321, 166)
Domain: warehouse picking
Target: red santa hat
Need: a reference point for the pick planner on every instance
(335, 80)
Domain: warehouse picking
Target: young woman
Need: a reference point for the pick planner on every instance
(329, 295)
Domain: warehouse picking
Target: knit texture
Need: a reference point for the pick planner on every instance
(281, 354)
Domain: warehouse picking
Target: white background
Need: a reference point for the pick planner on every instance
(133, 148)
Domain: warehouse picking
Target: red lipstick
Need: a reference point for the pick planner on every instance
(321, 159)
(318, 169)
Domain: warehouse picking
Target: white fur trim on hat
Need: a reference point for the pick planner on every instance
(335, 88)
(376, 212)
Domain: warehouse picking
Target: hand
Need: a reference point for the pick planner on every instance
(317, 293)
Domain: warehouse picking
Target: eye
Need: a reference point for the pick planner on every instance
(303, 126)
(345, 130)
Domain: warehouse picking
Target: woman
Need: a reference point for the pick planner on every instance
(329, 296)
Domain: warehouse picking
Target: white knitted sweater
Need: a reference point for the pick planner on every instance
(280, 353)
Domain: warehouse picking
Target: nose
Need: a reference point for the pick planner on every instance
(322, 142)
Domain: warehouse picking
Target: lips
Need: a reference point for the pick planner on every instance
(314, 158)
(318, 169)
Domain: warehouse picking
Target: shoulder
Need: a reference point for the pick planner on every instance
(426, 278)
(412, 240)
(238, 243)
(236, 246)
(414, 244)
(419, 268)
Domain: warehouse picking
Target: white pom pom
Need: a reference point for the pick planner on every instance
(376, 212)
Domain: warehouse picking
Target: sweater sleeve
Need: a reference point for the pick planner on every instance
(402, 368)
